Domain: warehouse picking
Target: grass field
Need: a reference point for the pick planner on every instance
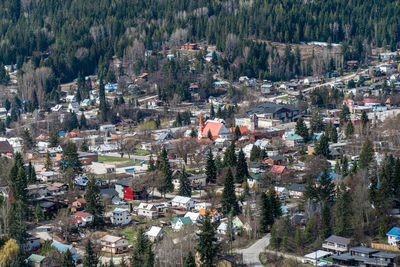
(115, 160)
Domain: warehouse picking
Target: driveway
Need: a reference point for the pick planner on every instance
(250, 254)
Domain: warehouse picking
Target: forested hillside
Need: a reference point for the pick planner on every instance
(72, 35)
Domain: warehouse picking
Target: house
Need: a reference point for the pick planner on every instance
(336, 244)
(126, 191)
(315, 257)
(194, 216)
(179, 222)
(73, 107)
(114, 244)
(79, 204)
(216, 128)
(82, 219)
(31, 243)
(121, 216)
(214, 214)
(108, 128)
(227, 261)
(278, 170)
(222, 229)
(201, 205)
(364, 256)
(254, 180)
(38, 191)
(81, 181)
(297, 190)
(148, 210)
(241, 222)
(275, 160)
(70, 98)
(36, 260)
(48, 176)
(282, 192)
(64, 248)
(393, 236)
(155, 233)
(293, 140)
(267, 88)
(6, 148)
(183, 202)
(284, 113)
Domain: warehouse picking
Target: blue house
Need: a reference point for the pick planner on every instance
(393, 236)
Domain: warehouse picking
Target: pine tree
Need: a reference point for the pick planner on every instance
(211, 170)
(209, 135)
(31, 174)
(38, 213)
(345, 166)
(28, 140)
(90, 259)
(322, 147)
(255, 153)
(301, 129)
(366, 155)
(218, 164)
(275, 203)
(189, 261)
(149, 260)
(344, 115)
(103, 102)
(242, 171)
(49, 164)
(67, 260)
(274, 242)
(316, 123)
(82, 122)
(140, 250)
(35, 101)
(20, 186)
(54, 140)
(70, 160)
(84, 146)
(165, 168)
(94, 203)
(238, 134)
(285, 239)
(185, 189)
(333, 135)
(151, 166)
(230, 156)
(326, 189)
(343, 213)
(207, 246)
(16, 222)
(193, 133)
(267, 213)
(298, 239)
(349, 130)
(364, 122)
(229, 202)
(212, 112)
(326, 228)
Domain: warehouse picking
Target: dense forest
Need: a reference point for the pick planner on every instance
(74, 36)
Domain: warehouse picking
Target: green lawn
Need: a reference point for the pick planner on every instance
(108, 159)
(142, 152)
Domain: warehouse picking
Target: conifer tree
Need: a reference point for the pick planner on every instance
(212, 112)
(209, 135)
(366, 155)
(16, 222)
(275, 203)
(70, 160)
(255, 153)
(301, 129)
(20, 186)
(211, 170)
(349, 130)
(316, 123)
(67, 260)
(140, 254)
(343, 213)
(193, 133)
(151, 166)
(230, 156)
(90, 259)
(242, 171)
(229, 201)
(84, 146)
(207, 246)
(38, 213)
(82, 122)
(333, 135)
(94, 203)
(103, 102)
(185, 189)
(344, 115)
(31, 174)
(54, 140)
(364, 122)
(326, 228)
(322, 147)
(165, 168)
(49, 164)
(189, 261)
(238, 134)
(149, 260)
(267, 213)
(274, 242)
(345, 166)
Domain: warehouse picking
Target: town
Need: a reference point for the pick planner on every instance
(126, 168)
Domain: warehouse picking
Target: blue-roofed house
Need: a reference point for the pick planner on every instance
(63, 248)
(393, 236)
(332, 176)
(61, 134)
(36, 260)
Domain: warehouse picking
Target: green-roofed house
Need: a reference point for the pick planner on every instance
(293, 140)
(35, 260)
(180, 222)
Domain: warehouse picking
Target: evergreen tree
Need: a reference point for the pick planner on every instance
(20, 186)
(94, 203)
(230, 156)
(364, 122)
(207, 246)
(344, 115)
(333, 135)
(212, 112)
(349, 130)
(38, 213)
(209, 135)
(149, 260)
(84, 146)
(316, 123)
(343, 213)
(90, 259)
(151, 166)
(238, 134)
(185, 189)
(189, 261)
(67, 260)
(275, 203)
(54, 140)
(345, 166)
(301, 129)
(82, 122)
(274, 241)
(366, 155)
(242, 171)
(322, 147)
(255, 153)
(326, 228)
(70, 160)
(229, 202)
(298, 239)
(31, 174)
(49, 164)
(16, 222)
(211, 170)
(140, 250)
(35, 101)
(218, 164)
(326, 189)
(28, 140)
(267, 213)
(103, 102)
(193, 133)
(165, 168)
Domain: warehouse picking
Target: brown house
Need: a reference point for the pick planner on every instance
(78, 204)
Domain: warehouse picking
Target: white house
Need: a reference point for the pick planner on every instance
(183, 202)
(114, 244)
(179, 222)
(147, 210)
(202, 205)
(107, 128)
(31, 243)
(194, 216)
(222, 229)
(70, 98)
(73, 107)
(155, 233)
(82, 218)
(121, 216)
(393, 236)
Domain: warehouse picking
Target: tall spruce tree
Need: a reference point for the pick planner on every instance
(20, 186)
(267, 213)
(212, 112)
(211, 170)
(54, 140)
(326, 228)
(322, 147)
(229, 201)
(230, 159)
(301, 129)
(70, 160)
(141, 249)
(67, 259)
(94, 204)
(90, 259)
(344, 115)
(189, 261)
(349, 130)
(103, 102)
(343, 212)
(31, 174)
(316, 123)
(366, 155)
(364, 122)
(242, 171)
(207, 246)
(185, 189)
(165, 168)
(16, 222)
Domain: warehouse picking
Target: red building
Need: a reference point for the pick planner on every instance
(125, 190)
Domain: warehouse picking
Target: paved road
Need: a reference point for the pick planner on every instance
(250, 254)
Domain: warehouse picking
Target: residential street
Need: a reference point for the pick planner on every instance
(250, 254)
